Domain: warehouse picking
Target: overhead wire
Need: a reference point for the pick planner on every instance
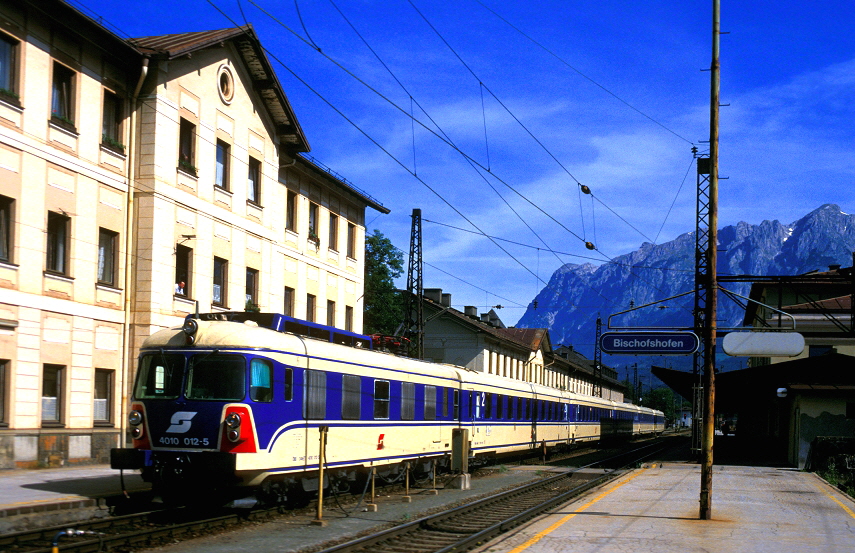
(434, 133)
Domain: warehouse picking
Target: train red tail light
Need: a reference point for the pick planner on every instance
(237, 435)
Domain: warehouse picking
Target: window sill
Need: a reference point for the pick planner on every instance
(52, 424)
(64, 126)
(219, 308)
(107, 287)
(58, 276)
(187, 172)
(184, 298)
(12, 102)
(115, 150)
(223, 190)
(9, 265)
(103, 424)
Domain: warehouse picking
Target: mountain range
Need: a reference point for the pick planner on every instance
(577, 294)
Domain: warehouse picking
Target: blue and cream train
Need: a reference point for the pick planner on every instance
(237, 400)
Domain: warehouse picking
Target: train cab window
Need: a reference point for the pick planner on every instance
(289, 383)
(213, 376)
(456, 406)
(430, 403)
(408, 401)
(261, 381)
(315, 406)
(159, 376)
(381, 399)
(351, 396)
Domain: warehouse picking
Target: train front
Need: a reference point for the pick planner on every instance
(190, 413)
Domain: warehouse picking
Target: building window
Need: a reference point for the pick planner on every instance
(333, 232)
(62, 95)
(111, 124)
(291, 211)
(311, 306)
(183, 270)
(348, 318)
(4, 391)
(253, 182)
(187, 147)
(381, 399)
(313, 222)
(103, 402)
(288, 307)
(6, 205)
(107, 240)
(52, 388)
(251, 289)
(221, 178)
(221, 267)
(8, 68)
(226, 84)
(330, 313)
(351, 240)
(57, 245)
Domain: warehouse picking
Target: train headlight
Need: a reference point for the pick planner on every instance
(190, 328)
(136, 432)
(135, 418)
(233, 420)
(233, 434)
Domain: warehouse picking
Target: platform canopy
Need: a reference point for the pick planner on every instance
(830, 372)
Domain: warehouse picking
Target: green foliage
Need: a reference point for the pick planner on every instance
(384, 309)
(251, 307)
(663, 400)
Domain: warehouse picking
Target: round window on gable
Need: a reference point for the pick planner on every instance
(225, 83)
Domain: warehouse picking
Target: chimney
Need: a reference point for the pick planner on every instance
(835, 267)
(485, 318)
(433, 294)
(471, 311)
(446, 300)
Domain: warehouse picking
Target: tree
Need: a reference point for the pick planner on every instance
(384, 310)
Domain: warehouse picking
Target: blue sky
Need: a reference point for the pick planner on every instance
(614, 98)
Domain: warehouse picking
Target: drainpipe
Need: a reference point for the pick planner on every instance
(129, 258)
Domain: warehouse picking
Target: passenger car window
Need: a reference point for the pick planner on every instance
(261, 381)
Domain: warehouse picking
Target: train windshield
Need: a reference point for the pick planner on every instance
(160, 376)
(215, 376)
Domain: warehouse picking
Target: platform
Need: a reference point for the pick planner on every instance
(655, 509)
(64, 493)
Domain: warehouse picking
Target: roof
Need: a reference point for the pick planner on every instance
(478, 326)
(264, 80)
(534, 337)
(843, 303)
(340, 182)
(833, 371)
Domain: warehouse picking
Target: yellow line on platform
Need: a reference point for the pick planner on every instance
(831, 497)
(540, 535)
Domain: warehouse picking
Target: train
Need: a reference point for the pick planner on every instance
(237, 403)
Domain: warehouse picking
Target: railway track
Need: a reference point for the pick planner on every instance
(445, 531)
(464, 527)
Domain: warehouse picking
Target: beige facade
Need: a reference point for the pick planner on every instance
(482, 343)
(220, 197)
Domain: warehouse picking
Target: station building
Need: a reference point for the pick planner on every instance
(481, 342)
(141, 180)
(782, 404)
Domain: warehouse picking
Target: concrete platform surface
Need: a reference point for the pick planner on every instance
(655, 509)
(56, 491)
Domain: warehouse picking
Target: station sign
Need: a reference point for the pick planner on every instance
(766, 344)
(649, 343)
